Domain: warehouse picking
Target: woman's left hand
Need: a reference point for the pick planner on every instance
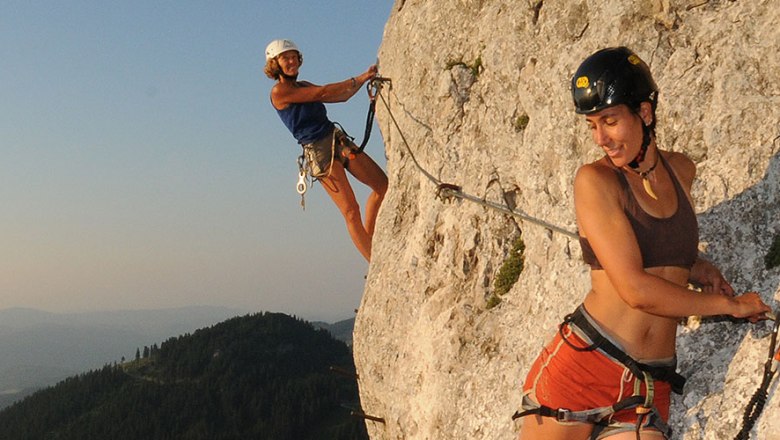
(705, 275)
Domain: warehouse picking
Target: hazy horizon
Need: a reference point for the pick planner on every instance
(233, 310)
(144, 167)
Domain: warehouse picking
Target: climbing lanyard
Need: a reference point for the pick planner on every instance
(373, 87)
(757, 402)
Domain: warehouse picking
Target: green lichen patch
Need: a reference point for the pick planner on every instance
(475, 67)
(508, 273)
(521, 122)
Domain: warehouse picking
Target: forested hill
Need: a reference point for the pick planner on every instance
(263, 376)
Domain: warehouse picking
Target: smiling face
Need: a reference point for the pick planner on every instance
(618, 131)
(289, 62)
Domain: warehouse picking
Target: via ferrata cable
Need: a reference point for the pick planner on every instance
(447, 189)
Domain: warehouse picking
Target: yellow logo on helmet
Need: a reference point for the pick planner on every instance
(582, 82)
(633, 59)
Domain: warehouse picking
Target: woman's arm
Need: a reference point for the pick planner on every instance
(286, 93)
(602, 220)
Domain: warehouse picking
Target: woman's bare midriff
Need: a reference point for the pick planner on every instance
(643, 336)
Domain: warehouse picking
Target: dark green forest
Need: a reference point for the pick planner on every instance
(263, 376)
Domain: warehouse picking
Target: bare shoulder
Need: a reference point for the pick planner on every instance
(597, 177)
(278, 92)
(598, 198)
(682, 166)
(282, 87)
(284, 93)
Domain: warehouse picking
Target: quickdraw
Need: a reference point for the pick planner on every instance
(757, 402)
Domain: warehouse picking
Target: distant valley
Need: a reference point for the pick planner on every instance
(41, 348)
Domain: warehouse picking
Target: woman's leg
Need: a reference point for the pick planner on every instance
(546, 428)
(643, 435)
(370, 174)
(543, 428)
(340, 191)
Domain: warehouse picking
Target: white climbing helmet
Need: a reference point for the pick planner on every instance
(276, 47)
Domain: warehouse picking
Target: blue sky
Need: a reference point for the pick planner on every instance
(144, 167)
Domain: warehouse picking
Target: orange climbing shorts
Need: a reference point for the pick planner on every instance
(562, 377)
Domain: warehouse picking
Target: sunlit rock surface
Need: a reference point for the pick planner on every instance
(481, 95)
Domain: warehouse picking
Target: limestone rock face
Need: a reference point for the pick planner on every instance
(481, 96)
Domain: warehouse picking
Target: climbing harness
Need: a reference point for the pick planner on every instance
(757, 402)
(643, 405)
(447, 190)
(643, 374)
(308, 159)
(373, 87)
(666, 374)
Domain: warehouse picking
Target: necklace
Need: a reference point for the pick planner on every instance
(644, 175)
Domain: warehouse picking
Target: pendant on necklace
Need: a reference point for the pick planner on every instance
(648, 188)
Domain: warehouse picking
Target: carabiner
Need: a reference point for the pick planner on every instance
(301, 186)
(374, 86)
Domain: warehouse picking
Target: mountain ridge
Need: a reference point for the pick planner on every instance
(254, 375)
(41, 348)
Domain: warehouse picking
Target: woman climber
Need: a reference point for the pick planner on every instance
(610, 369)
(327, 149)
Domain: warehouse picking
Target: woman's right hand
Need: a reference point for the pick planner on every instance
(750, 306)
(368, 74)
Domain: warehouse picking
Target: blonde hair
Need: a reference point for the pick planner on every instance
(272, 69)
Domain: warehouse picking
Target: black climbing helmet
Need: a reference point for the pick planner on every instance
(610, 77)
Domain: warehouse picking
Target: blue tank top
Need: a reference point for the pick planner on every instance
(308, 122)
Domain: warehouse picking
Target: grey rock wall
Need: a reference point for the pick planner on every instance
(481, 95)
